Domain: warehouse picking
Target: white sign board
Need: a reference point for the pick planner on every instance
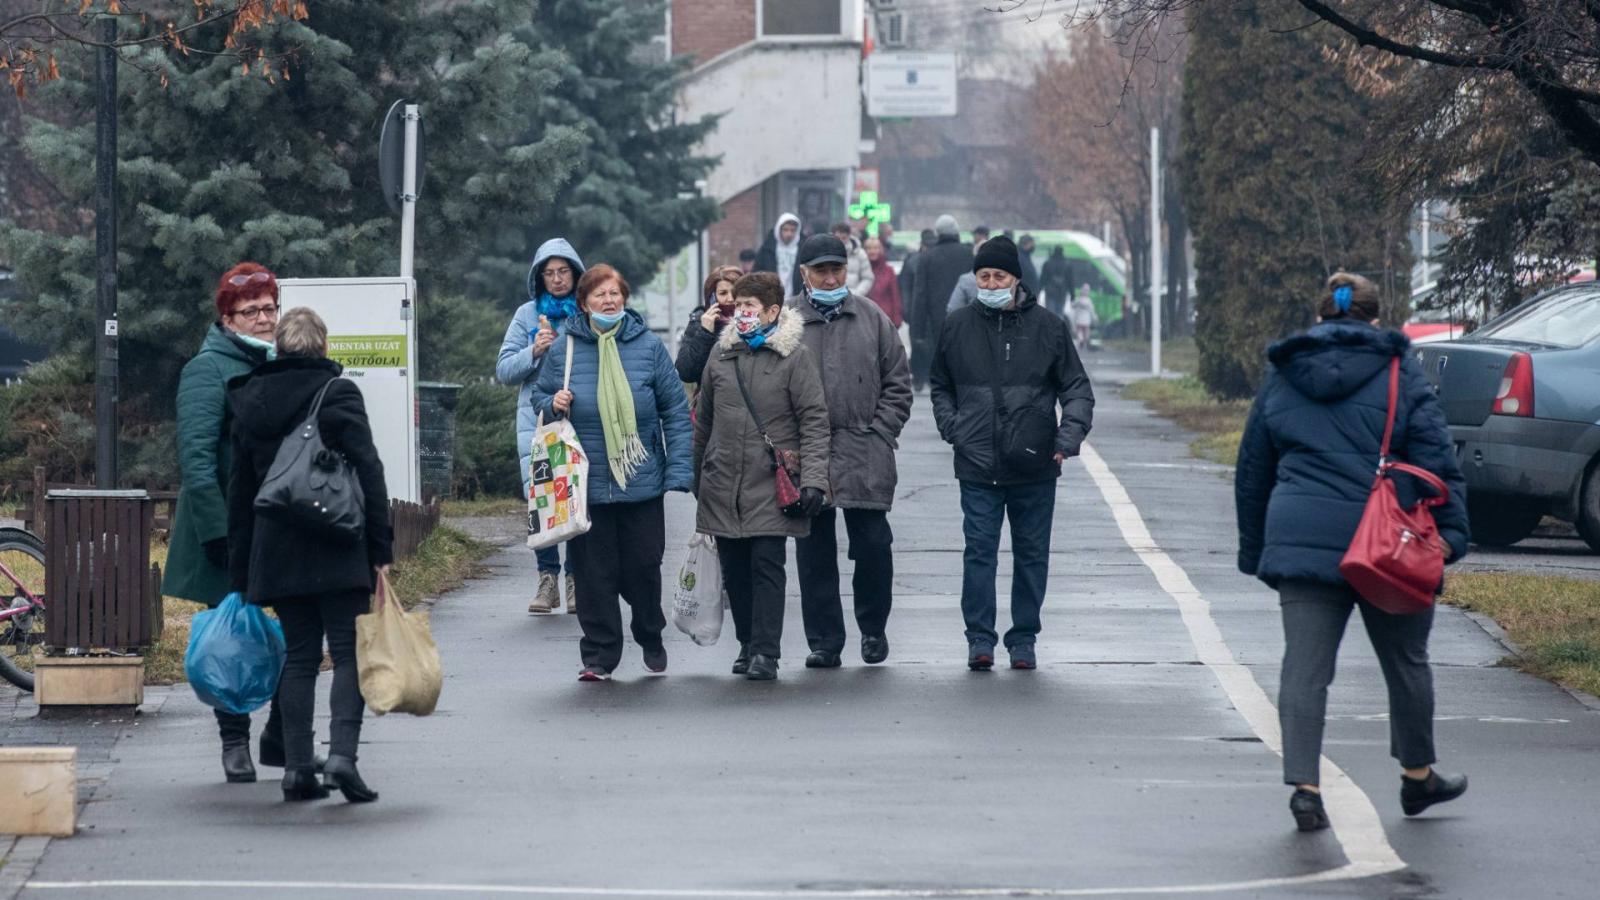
(911, 85)
(372, 332)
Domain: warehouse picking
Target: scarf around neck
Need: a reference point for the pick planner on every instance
(625, 452)
(755, 339)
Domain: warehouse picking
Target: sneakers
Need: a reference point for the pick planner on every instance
(656, 660)
(1417, 795)
(548, 599)
(594, 673)
(1022, 657)
(980, 656)
(874, 649)
(1306, 807)
(572, 596)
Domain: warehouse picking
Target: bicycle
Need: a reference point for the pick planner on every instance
(21, 605)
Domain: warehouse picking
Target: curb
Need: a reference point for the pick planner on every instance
(1493, 630)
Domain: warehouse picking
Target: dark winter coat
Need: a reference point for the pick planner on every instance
(694, 347)
(733, 469)
(1030, 351)
(1310, 449)
(660, 411)
(1030, 272)
(1055, 279)
(866, 381)
(938, 269)
(908, 282)
(205, 459)
(271, 560)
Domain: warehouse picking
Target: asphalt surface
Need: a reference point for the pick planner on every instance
(1126, 762)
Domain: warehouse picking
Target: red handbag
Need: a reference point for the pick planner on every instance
(1396, 559)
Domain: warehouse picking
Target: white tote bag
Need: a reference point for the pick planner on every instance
(558, 495)
(697, 602)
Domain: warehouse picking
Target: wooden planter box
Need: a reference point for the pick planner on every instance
(38, 790)
(89, 681)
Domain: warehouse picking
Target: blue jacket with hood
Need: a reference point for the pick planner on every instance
(517, 367)
(1310, 450)
(660, 409)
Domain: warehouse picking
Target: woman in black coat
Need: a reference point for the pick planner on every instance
(1305, 471)
(705, 323)
(317, 586)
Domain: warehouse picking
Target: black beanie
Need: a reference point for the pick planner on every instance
(998, 253)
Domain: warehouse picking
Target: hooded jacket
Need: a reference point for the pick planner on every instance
(205, 459)
(733, 470)
(866, 381)
(1310, 449)
(660, 411)
(859, 274)
(270, 560)
(768, 258)
(517, 366)
(1028, 350)
(938, 269)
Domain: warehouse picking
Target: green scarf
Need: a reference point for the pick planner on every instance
(625, 452)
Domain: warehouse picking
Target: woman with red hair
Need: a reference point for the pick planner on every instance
(197, 563)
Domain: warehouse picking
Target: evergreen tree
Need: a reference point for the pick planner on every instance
(1272, 177)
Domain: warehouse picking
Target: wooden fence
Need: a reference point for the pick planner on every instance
(31, 507)
(412, 525)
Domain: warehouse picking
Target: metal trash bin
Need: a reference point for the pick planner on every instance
(436, 437)
(101, 591)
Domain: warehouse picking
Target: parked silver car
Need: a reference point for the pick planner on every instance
(1522, 395)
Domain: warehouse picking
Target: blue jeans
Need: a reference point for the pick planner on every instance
(550, 559)
(1031, 508)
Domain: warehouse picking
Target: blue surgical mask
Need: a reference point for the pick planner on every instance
(994, 299)
(605, 322)
(831, 298)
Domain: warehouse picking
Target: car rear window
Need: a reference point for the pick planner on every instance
(1565, 319)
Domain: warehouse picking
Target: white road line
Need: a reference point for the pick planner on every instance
(1355, 821)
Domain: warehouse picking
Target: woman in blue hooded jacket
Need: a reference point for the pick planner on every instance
(628, 407)
(552, 300)
(1305, 471)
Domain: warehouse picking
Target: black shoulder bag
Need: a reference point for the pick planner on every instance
(1024, 438)
(310, 486)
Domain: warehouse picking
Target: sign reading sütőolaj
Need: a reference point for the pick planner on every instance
(368, 351)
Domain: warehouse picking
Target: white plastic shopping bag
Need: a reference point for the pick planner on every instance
(697, 603)
(558, 495)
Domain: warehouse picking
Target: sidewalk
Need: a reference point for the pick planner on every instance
(1124, 762)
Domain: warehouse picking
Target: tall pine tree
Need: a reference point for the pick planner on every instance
(1272, 175)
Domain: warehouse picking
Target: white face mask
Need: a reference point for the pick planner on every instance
(746, 322)
(994, 299)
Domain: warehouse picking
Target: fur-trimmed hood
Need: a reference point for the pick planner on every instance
(783, 340)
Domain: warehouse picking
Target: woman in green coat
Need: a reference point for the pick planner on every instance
(197, 561)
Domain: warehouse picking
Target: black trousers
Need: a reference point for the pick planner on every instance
(305, 622)
(871, 546)
(752, 574)
(620, 555)
(235, 727)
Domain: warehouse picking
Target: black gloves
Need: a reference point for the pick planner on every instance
(216, 551)
(810, 501)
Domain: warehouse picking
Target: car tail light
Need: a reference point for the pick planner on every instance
(1516, 388)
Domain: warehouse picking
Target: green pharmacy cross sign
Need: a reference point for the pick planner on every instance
(870, 209)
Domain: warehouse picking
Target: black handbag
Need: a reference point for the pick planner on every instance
(310, 486)
(1024, 438)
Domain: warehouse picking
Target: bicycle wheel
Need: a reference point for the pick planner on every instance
(21, 636)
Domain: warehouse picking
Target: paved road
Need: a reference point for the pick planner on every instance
(1137, 757)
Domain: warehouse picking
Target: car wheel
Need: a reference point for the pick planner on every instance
(1501, 522)
(1589, 509)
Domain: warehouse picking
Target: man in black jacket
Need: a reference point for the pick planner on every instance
(938, 269)
(1002, 367)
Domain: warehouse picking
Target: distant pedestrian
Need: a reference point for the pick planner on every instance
(885, 285)
(866, 381)
(197, 561)
(859, 275)
(552, 284)
(1003, 367)
(1084, 318)
(1030, 273)
(628, 407)
(705, 323)
(1305, 469)
(761, 394)
(778, 252)
(315, 584)
(747, 260)
(908, 272)
(938, 269)
(1055, 279)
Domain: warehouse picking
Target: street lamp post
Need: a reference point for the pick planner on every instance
(105, 233)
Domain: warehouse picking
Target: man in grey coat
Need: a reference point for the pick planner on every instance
(866, 379)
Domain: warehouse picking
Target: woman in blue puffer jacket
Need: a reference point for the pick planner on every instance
(1306, 466)
(628, 407)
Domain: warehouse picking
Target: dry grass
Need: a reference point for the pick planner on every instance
(484, 507)
(1556, 621)
(1177, 354)
(1185, 401)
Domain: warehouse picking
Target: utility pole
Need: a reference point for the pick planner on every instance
(1155, 251)
(408, 194)
(105, 234)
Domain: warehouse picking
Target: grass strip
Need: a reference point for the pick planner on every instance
(443, 562)
(1186, 402)
(1554, 620)
(483, 507)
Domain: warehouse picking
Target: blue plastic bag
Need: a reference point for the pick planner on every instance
(235, 656)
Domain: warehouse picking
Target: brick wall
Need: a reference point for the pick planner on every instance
(739, 228)
(705, 28)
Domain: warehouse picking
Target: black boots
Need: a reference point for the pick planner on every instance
(271, 753)
(1417, 795)
(302, 784)
(762, 668)
(823, 659)
(1306, 807)
(236, 764)
(741, 663)
(341, 772)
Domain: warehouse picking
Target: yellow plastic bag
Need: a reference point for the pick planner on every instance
(396, 657)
